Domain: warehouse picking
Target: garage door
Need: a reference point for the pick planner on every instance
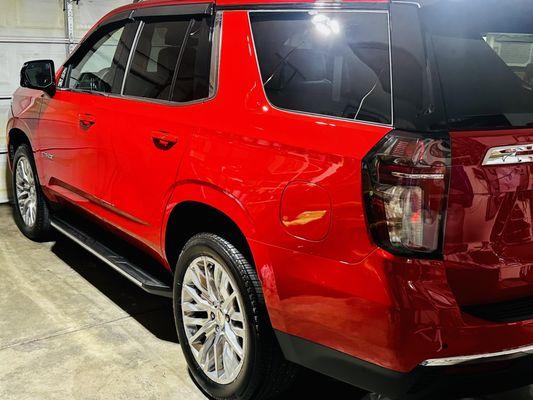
(31, 29)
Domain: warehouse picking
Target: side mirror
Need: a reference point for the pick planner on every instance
(39, 75)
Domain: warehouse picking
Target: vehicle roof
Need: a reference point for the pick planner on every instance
(152, 3)
(246, 2)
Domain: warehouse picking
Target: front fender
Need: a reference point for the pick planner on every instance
(18, 124)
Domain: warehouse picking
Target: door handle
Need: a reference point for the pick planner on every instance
(86, 121)
(164, 140)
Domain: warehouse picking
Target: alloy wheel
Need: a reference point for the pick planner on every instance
(26, 191)
(214, 319)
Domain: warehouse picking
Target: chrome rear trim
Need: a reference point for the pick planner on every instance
(442, 362)
(418, 176)
(505, 155)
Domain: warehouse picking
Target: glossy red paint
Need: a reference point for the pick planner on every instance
(489, 227)
(323, 280)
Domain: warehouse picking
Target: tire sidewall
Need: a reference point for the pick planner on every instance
(248, 374)
(36, 231)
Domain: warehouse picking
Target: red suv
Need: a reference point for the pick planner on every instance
(343, 186)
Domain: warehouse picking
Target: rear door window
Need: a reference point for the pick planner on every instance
(329, 63)
(154, 62)
(172, 60)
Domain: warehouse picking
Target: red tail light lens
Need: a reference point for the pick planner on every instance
(405, 190)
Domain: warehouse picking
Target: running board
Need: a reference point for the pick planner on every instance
(126, 268)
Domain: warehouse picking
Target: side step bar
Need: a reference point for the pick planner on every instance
(120, 264)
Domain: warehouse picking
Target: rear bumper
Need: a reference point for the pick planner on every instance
(391, 312)
(482, 375)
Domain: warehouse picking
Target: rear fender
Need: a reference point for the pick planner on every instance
(213, 196)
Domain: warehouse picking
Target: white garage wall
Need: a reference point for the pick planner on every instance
(34, 29)
(90, 11)
(41, 18)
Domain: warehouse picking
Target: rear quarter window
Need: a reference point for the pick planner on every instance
(330, 63)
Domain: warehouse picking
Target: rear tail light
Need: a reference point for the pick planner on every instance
(405, 190)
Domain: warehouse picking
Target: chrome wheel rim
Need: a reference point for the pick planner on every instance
(25, 191)
(214, 319)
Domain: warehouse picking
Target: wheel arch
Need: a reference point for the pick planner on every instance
(200, 207)
(16, 137)
(234, 224)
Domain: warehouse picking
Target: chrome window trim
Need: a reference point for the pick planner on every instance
(333, 10)
(411, 3)
(130, 56)
(213, 85)
(157, 101)
(389, 27)
(321, 9)
(299, 6)
(214, 70)
(442, 362)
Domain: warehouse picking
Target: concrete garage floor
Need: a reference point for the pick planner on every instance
(71, 328)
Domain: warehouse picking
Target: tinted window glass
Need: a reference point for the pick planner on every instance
(331, 63)
(96, 69)
(417, 97)
(192, 82)
(156, 56)
(484, 54)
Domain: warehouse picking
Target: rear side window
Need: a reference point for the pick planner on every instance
(155, 59)
(329, 63)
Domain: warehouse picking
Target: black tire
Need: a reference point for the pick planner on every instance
(40, 230)
(265, 373)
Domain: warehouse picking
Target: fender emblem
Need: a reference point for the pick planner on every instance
(504, 155)
(47, 155)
